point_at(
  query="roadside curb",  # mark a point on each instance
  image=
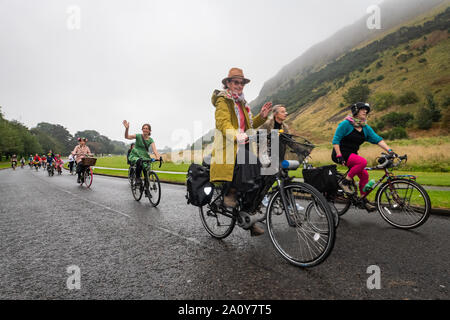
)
(162, 181)
(440, 212)
(434, 211)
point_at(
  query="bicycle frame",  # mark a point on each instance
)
(281, 179)
(387, 175)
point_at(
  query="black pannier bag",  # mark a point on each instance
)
(323, 179)
(199, 189)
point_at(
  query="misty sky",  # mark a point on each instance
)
(149, 61)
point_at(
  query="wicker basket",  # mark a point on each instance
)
(88, 161)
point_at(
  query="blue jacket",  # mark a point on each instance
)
(345, 128)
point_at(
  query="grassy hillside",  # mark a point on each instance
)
(395, 13)
(420, 65)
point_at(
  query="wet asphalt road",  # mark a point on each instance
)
(128, 250)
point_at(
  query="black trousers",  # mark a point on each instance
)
(80, 169)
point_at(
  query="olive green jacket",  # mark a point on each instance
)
(227, 126)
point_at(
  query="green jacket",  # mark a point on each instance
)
(227, 126)
(140, 150)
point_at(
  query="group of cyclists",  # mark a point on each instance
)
(46, 161)
(54, 162)
(237, 178)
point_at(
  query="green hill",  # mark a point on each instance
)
(405, 69)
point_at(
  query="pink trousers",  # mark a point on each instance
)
(357, 164)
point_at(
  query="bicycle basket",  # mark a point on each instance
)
(88, 161)
(295, 147)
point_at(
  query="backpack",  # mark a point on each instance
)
(323, 179)
(199, 189)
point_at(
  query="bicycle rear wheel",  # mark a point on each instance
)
(403, 203)
(314, 212)
(153, 189)
(304, 240)
(136, 190)
(88, 177)
(217, 223)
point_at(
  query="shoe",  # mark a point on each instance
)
(78, 180)
(138, 182)
(256, 231)
(346, 186)
(369, 206)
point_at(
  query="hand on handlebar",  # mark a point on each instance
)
(340, 160)
(393, 154)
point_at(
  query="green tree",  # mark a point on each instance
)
(383, 101)
(408, 97)
(358, 93)
(60, 134)
(423, 119)
(433, 108)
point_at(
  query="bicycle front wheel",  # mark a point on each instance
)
(88, 177)
(153, 189)
(403, 203)
(304, 239)
(218, 224)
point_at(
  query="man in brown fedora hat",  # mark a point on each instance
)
(233, 118)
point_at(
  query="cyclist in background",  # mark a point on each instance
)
(36, 159)
(44, 161)
(58, 163)
(50, 158)
(30, 160)
(71, 162)
(80, 152)
(349, 136)
(22, 162)
(14, 161)
(141, 149)
(128, 153)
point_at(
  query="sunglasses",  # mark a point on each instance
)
(236, 82)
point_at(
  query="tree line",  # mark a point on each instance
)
(15, 138)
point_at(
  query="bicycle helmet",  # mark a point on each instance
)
(358, 106)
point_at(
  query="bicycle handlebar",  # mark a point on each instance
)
(154, 160)
(388, 161)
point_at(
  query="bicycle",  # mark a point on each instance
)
(400, 200)
(14, 165)
(87, 175)
(303, 239)
(151, 184)
(51, 170)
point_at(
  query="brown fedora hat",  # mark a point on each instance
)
(235, 73)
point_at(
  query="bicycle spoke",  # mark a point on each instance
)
(404, 204)
(310, 246)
